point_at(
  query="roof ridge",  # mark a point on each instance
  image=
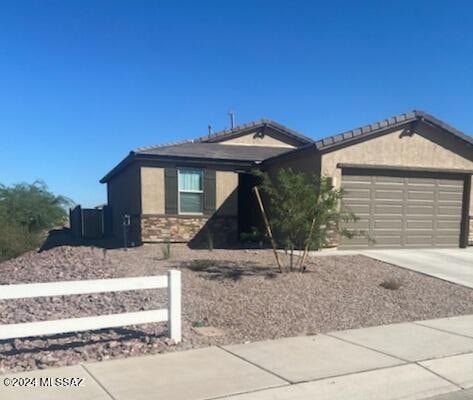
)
(226, 131)
(374, 126)
(231, 130)
(251, 124)
(390, 122)
(157, 146)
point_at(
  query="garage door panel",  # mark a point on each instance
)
(420, 210)
(387, 186)
(357, 242)
(389, 194)
(387, 224)
(420, 204)
(458, 183)
(453, 196)
(388, 179)
(419, 239)
(449, 240)
(419, 232)
(420, 224)
(380, 209)
(453, 224)
(357, 178)
(408, 210)
(449, 210)
(455, 204)
(357, 193)
(416, 181)
(360, 224)
(388, 240)
(358, 209)
(356, 185)
(450, 189)
(420, 195)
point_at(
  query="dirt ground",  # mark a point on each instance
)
(238, 292)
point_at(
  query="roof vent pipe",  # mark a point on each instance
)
(232, 119)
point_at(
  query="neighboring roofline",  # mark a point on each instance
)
(244, 128)
(133, 156)
(362, 133)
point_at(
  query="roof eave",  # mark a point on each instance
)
(121, 165)
(133, 156)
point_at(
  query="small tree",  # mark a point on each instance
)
(26, 212)
(301, 208)
(32, 206)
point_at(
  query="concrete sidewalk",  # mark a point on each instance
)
(417, 360)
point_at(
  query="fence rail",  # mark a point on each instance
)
(171, 315)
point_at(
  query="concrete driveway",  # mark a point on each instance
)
(453, 265)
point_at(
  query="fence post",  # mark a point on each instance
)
(174, 304)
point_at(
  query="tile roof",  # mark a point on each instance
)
(216, 151)
(378, 126)
(209, 148)
(228, 133)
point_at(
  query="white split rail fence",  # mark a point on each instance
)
(171, 315)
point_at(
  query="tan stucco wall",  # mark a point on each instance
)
(152, 190)
(307, 161)
(124, 197)
(153, 193)
(391, 149)
(250, 140)
(226, 193)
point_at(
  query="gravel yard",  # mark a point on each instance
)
(236, 291)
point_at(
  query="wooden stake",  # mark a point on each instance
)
(268, 227)
(306, 248)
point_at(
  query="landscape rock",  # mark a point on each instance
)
(236, 292)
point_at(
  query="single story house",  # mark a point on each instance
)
(408, 179)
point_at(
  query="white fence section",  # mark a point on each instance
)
(171, 315)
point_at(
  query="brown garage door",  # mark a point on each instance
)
(403, 209)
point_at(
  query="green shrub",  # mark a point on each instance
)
(15, 241)
(300, 207)
(253, 235)
(27, 212)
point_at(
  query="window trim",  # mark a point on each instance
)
(179, 191)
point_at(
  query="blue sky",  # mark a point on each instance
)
(82, 83)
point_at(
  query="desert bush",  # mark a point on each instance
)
(301, 206)
(254, 235)
(391, 284)
(201, 265)
(15, 241)
(166, 249)
(27, 212)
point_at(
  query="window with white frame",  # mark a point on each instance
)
(190, 188)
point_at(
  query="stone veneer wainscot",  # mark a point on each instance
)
(185, 228)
